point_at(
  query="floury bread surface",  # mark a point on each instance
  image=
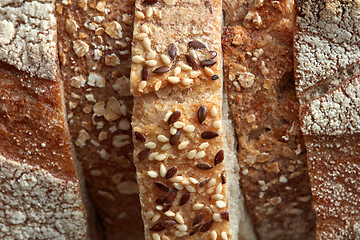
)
(326, 71)
(176, 79)
(258, 68)
(40, 190)
(94, 49)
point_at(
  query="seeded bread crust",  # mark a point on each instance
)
(178, 126)
(95, 53)
(40, 190)
(258, 65)
(329, 97)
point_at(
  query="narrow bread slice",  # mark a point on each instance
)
(327, 56)
(179, 153)
(258, 67)
(40, 195)
(94, 48)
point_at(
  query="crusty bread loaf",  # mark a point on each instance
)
(95, 44)
(258, 68)
(40, 191)
(327, 56)
(176, 79)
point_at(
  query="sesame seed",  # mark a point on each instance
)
(149, 12)
(140, 36)
(187, 81)
(183, 145)
(213, 111)
(224, 236)
(169, 214)
(151, 63)
(216, 217)
(283, 179)
(160, 157)
(211, 55)
(211, 182)
(157, 227)
(138, 59)
(184, 199)
(165, 59)
(220, 204)
(193, 53)
(147, 43)
(204, 145)
(159, 208)
(178, 186)
(156, 236)
(152, 174)
(189, 128)
(177, 70)
(210, 190)
(167, 116)
(143, 154)
(179, 218)
(184, 66)
(182, 227)
(213, 235)
(217, 197)
(162, 139)
(157, 86)
(139, 15)
(145, 29)
(179, 124)
(219, 188)
(153, 155)
(191, 154)
(207, 209)
(198, 219)
(180, 234)
(173, 131)
(166, 147)
(185, 182)
(193, 180)
(190, 189)
(171, 173)
(151, 55)
(173, 80)
(162, 170)
(217, 124)
(200, 154)
(213, 209)
(177, 178)
(198, 206)
(150, 145)
(142, 85)
(209, 72)
(172, 51)
(174, 117)
(156, 217)
(149, 215)
(195, 74)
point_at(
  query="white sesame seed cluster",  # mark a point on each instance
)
(177, 122)
(327, 46)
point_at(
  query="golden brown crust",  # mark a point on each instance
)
(95, 43)
(258, 78)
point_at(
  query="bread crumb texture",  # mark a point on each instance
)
(28, 36)
(36, 205)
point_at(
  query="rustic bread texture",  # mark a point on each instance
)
(177, 119)
(327, 52)
(258, 65)
(94, 49)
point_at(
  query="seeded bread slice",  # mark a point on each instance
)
(177, 122)
(326, 54)
(94, 46)
(258, 67)
(40, 196)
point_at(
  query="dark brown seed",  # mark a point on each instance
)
(140, 137)
(195, 230)
(191, 61)
(171, 196)
(171, 172)
(198, 219)
(145, 73)
(162, 69)
(143, 154)
(174, 139)
(206, 226)
(211, 55)
(204, 166)
(162, 187)
(185, 198)
(209, 135)
(223, 177)
(204, 182)
(196, 44)
(208, 6)
(169, 223)
(160, 200)
(174, 117)
(215, 77)
(158, 227)
(202, 111)
(225, 215)
(219, 157)
(166, 208)
(149, 2)
(207, 63)
(172, 51)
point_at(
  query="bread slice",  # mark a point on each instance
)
(40, 196)
(326, 68)
(95, 53)
(258, 68)
(180, 155)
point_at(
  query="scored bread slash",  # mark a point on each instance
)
(177, 120)
(164, 57)
(258, 67)
(327, 79)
